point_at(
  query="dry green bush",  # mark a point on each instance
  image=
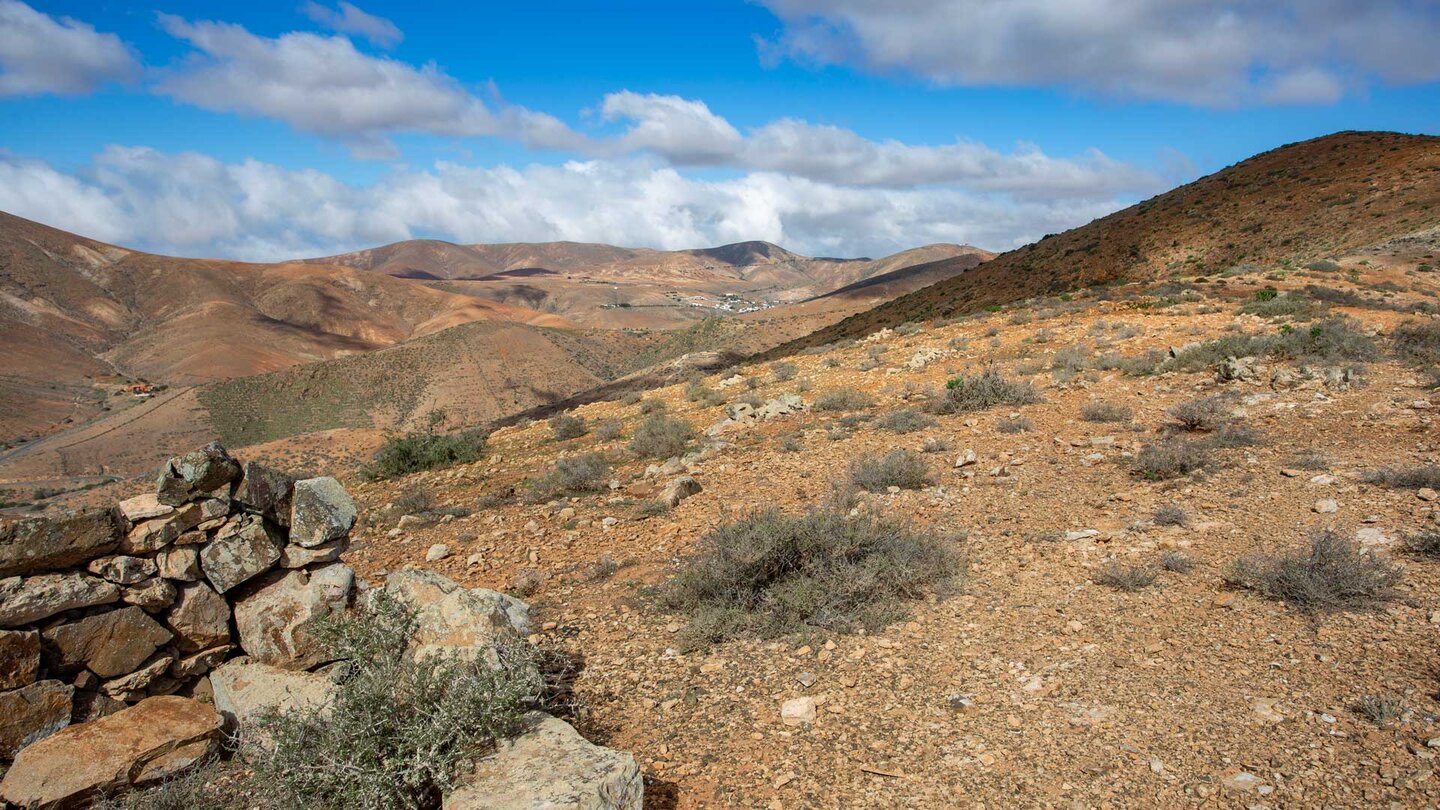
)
(426, 450)
(901, 468)
(1170, 458)
(608, 429)
(661, 436)
(567, 426)
(1330, 572)
(1417, 477)
(571, 475)
(783, 371)
(843, 399)
(1126, 577)
(907, 420)
(1100, 411)
(984, 390)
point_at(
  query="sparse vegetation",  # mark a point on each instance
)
(399, 729)
(935, 445)
(426, 450)
(1169, 515)
(1100, 411)
(1426, 543)
(1382, 710)
(608, 429)
(571, 475)
(662, 436)
(1294, 306)
(982, 391)
(1332, 341)
(1126, 576)
(843, 399)
(769, 574)
(1330, 572)
(1204, 414)
(1014, 424)
(901, 468)
(566, 426)
(783, 371)
(1417, 477)
(907, 420)
(1169, 458)
(1177, 562)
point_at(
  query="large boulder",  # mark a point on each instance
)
(34, 598)
(246, 549)
(108, 644)
(275, 621)
(19, 658)
(200, 618)
(244, 690)
(320, 511)
(150, 741)
(193, 475)
(33, 713)
(418, 588)
(551, 766)
(30, 545)
(469, 622)
(265, 491)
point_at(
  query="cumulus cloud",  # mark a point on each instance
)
(41, 54)
(192, 204)
(347, 19)
(325, 85)
(1220, 53)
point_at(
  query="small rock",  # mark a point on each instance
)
(437, 552)
(19, 658)
(798, 711)
(33, 713)
(1425, 494)
(806, 679)
(1326, 507)
(550, 766)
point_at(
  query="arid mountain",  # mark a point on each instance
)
(1291, 205)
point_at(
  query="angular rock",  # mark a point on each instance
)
(19, 658)
(93, 706)
(245, 689)
(33, 598)
(156, 738)
(121, 569)
(265, 491)
(144, 507)
(30, 545)
(679, 489)
(200, 663)
(274, 621)
(293, 556)
(180, 563)
(320, 511)
(152, 535)
(187, 477)
(471, 623)
(108, 644)
(131, 688)
(437, 552)
(550, 766)
(200, 618)
(248, 551)
(798, 711)
(32, 713)
(154, 595)
(419, 588)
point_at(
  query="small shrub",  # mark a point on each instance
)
(414, 501)
(1426, 543)
(1309, 460)
(1171, 458)
(426, 450)
(699, 392)
(843, 399)
(1123, 577)
(399, 730)
(572, 475)
(565, 427)
(792, 442)
(653, 406)
(1017, 424)
(631, 398)
(1105, 412)
(1019, 317)
(186, 791)
(608, 429)
(1417, 342)
(662, 437)
(1176, 562)
(783, 371)
(654, 509)
(1382, 710)
(1169, 515)
(1291, 305)
(1323, 266)
(1206, 413)
(934, 445)
(898, 468)
(1231, 436)
(984, 390)
(905, 421)
(768, 574)
(525, 583)
(1425, 475)
(1330, 572)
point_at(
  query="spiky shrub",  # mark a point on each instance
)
(1418, 342)
(1205, 413)
(609, 429)
(397, 731)
(783, 370)
(662, 436)
(844, 399)
(907, 420)
(1418, 477)
(426, 450)
(1123, 577)
(1330, 572)
(1168, 459)
(566, 426)
(1100, 411)
(901, 468)
(1425, 543)
(572, 475)
(770, 573)
(186, 791)
(1177, 562)
(984, 390)
(1018, 424)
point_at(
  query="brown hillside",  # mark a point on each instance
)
(1294, 204)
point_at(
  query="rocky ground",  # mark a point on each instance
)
(1031, 684)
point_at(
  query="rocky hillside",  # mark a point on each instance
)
(1289, 206)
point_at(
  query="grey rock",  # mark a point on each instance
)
(33, 713)
(249, 550)
(265, 491)
(275, 621)
(293, 556)
(679, 489)
(34, 598)
(153, 595)
(30, 545)
(320, 511)
(192, 475)
(121, 569)
(245, 690)
(180, 563)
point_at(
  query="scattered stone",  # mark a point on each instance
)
(1326, 507)
(19, 658)
(30, 545)
(1242, 781)
(187, 477)
(155, 739)
(1371, 536)
(679, 489)
(967, 458)
(247, 551)
(550, 766)
(293, 556)
(1425, 494)
(806, 679)
(437, 552)
(274, 622)
(122, 570)
(200, 618)
(34, 598)
(798, 711)
(470, 622)
(32, 713)
(321, 510)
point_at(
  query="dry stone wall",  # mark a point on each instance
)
(102, 608)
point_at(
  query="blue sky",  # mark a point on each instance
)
(267, 130)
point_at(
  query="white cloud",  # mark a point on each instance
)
(347, 19)
(191, 204)
(1218, 53)
(42, 54)
(324, 85)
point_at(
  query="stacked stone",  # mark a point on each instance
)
(102, 608)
